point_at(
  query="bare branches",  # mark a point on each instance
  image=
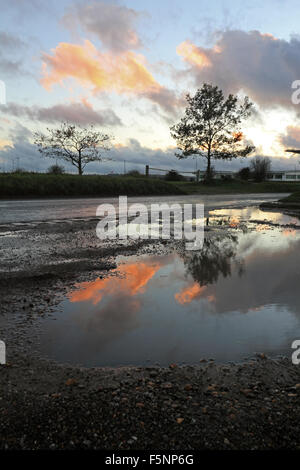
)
(76, 145)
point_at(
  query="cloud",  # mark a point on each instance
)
(134, 278)
(261, 65)
(5, 143)
(11, 45)
(193, 55)
(125, 73)
(292, 137)
(77, 113)
(10, 68)
(113, 24)
(133, 153)
(9, 41)
(190, 293)
(22, 149)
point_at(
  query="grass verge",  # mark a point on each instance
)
(40, 185)
(237, 187)
(35, 185)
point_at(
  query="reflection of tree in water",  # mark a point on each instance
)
(215, 258)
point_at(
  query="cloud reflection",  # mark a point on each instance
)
(133, 278)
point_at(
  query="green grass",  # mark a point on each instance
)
(31, 185)
(292, 201)
(236, 187)
(39, 185)
(295, 197)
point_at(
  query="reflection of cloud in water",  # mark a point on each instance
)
(182, 307)
(289, 232)
(136, 277)
(119, 304)
(254, 213)
(193, 292)
(269, 278)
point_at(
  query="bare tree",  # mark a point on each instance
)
(211, 126)
(76, 145)
(260, 167)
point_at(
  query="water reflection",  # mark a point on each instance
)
(238, 295)
(215, 259)
(254, 214)
(133, 279)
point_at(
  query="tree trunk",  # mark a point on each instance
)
(208, 168)
(79, 164)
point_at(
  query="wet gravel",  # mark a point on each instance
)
(44, 405)
(250, 406)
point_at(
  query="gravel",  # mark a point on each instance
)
(45, 405)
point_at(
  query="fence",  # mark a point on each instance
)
(195, 173)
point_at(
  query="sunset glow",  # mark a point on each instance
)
(126, 73)
(126, 68)
(132, 280)
(190, 293)
(192, 54)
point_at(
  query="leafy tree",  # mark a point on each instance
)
(76, 145)
(134, 173)
(260, 167)
(244, 173)
(56, 169)
(211, 126)
(173, 175)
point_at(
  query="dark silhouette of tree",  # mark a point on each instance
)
(260, 167)
(76, 145)
(56, 170)
(211, 126)
(173, 175)
(244, 173)
(213, 260)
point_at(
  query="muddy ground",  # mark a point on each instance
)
(44, 405)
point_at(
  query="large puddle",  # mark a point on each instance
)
(237, 296)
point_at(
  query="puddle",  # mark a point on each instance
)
(237, 296)
(254, 214)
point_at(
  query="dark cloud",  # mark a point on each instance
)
(10, 64)
(292, 137)
(167, 101)
(23, 152)
(247, 293)
(77, 113)
(10, 68)
(10, 42)
(262, 66)
(113, 24)
(136, 157)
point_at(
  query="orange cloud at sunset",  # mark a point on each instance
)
(5, 143)
(122, 73)
(293, 132)
(134, 277)
(193, 54)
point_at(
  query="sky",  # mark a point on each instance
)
(126, 67)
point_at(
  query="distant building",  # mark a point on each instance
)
(276, 175)
(284, 175)
(218, 174)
